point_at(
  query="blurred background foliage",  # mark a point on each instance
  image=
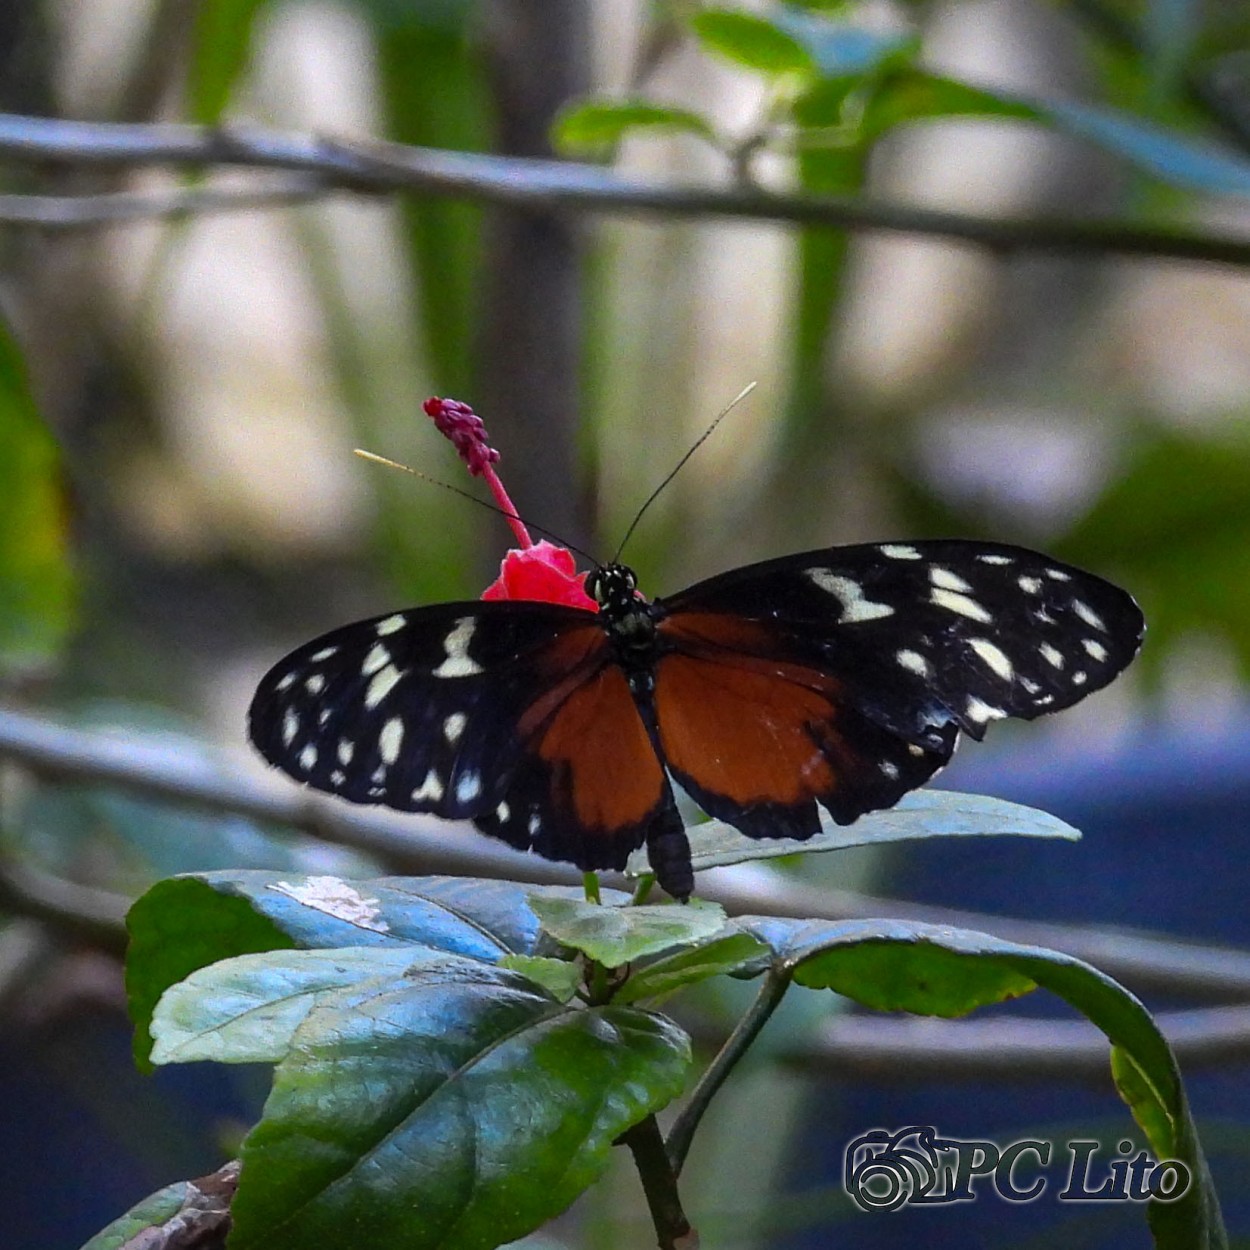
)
(178, 401)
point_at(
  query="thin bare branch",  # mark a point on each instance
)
(156, 766)
(916, 1048)
(69, 212)
(374, 166)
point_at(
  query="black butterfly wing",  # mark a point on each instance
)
(481, 710)
(843, 676)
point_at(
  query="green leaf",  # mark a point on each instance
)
(1172, 157)
(717, 956)
(561, 978)
(614, 936)
(435, 93)
(1173, 527)
(597, 126)
(841, 50)
(751, 41)
(386, 1125)
(931, 970)
(150, 1212)
(246, 1009)
(219, 55)
(920, 814)
(37, 588)
(189, 922)
(176, 927)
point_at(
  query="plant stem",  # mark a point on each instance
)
(776, 982)
(659, 1182)
(590, 884)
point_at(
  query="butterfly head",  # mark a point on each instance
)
(613, 587)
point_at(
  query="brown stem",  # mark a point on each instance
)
(659, 1183)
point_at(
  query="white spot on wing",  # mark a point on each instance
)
(391, 625)
(1052, 655)
(1079, 678)
(503, 813)
(381, 686)
(430, 788)
(338, 777)
(913, 662)
(1088, 615)
(899, 551)
(308, 757)
(346, 751)
(468, 787)
(851, 596)
(981, 712)
(456, 644)
(391, 739)
(992, 558)
(534, 824)
(315, 684)
(1030, 686)
(1030, 585)
(324, 654)
(453, 727)
(889, 769)
(994, 656)
(955, 602)
(1094, 649)
(286, 682)
(290, 726)
(941, 576)
(378, 657)
(1058, 575)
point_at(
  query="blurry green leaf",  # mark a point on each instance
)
(36, 581)
(434, 93)
(614, 936)
(445, 1108)
(561, 978)
(920, 814)
(219, 55)
(1170, 156)
(840, 49)
(751, 41)
(912, 95)
(717, 956)
(598, 125)
(246, 1009)
(1174, 529)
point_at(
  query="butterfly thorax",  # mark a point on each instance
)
(630, 621)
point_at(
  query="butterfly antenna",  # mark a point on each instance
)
(724, 412)
(464, 494)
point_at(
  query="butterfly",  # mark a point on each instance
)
(836, 679)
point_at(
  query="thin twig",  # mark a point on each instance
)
(776, 982)
(372, 166)
(918, 1049)
(70, 212)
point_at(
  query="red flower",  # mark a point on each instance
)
(544, 572)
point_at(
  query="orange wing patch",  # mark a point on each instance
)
(604, 769)
(746, 728)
